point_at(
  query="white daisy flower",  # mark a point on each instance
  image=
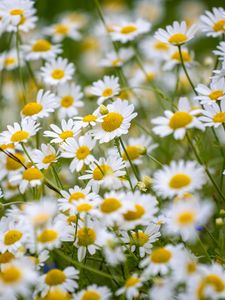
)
(177, 34)
(80, 150)
(162, 288)
(178, 178)
(9, 60)
(19, 14)
(154, 49)
(88, 120)
(106, 88)
(69, 98)
(63, 29)
(115, 123)
(113, 59)
(128, 31)
(209, 95)
(214, 115)
(19, 132)
(65, 280)
(160, 260)
(213, 23)
(105, 172)
(94, 292)
(183, 217)
(178, 122)
(40, 49)
(17, 279)
(173, 59)
(57, 71)
(31, 177)
(68, 130)
(131, 287)
(45, 157)
(44, 105)
(220, 50)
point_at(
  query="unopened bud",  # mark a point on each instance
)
(147, 181)
(219, 222)
(141, 186)
(103, 110)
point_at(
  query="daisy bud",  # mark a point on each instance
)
(141, 186)
(219, 222)
(103, 109)
(147, 181)
(208, 61)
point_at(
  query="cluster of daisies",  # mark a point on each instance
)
(112, 170)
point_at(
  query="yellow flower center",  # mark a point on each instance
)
(101, 171)
(12, 236)
(191, 267)
(110, 205)
(41, 46)
(219, 117)
(160, 255)
(7, 146)
(128, 29)
(76, 196)
(9, 61)
(186, 218)
(91, 295)
(32, 174)
(72, 219)
(150, 76)
(82, 152)
(12, 165)
(19, 136)
(40, 219)
(47, 235)
(219, 25)
(6, 257)
(10, 275)
(177, 39)
(58, 74)
(107, 92)
(48, 159)
(132, 281)
(133, 152)
(66, 134)
(180, 119)
(32, 108)
(86, 236)
(140, 238)
(112, 121)
(16, 12)
(61, 29)
(116, 61)
(67, 101)
(89, 118)
(216, 94)
(84, 207)
(137, 213)
(161, 46)
(56, 294)
(215, 281)
(179, 181)
(186, 56)
(55, 277)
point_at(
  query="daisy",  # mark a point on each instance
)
(214, 115)
(173, 59)
(131, 286)
(17, 278)
(19, 14)
(40, 49)
(154, 49)
(88, 120)
(56, 293)
(129, 31)
(80, 150)
(57, 71)
(42, 107)
(113, 59)
(160, 260)
(68, 130)
(209, 95)
(9, 60)
(30, 177)
(65, 280)
(184, 216)
(178, 122)
(75, 194)
(213, 23)
(105, 172)
(162, 288)
(115, 123)
(45, 157)
(69, 99)
(177, 34)
(63, 29)
(178, 178)
(106, 88)
(94, 292)
(19, 132)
